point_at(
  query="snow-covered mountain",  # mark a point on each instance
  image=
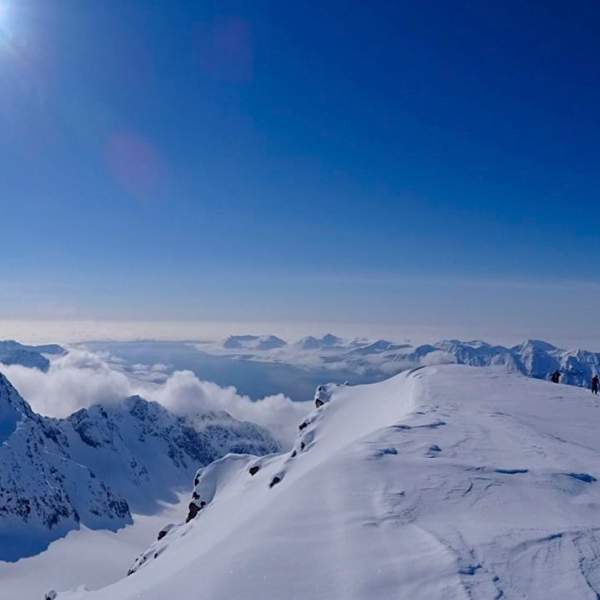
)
(14, 353)
(365, 361)
(253, 342)
(44, 490)
(533, 358)
(441, 483)
(100, 463)
(328, 341)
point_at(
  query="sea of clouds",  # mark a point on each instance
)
(82, 378)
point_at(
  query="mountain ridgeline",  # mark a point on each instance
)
(366, 361)
(533, 358)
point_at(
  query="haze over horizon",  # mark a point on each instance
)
(76, 332)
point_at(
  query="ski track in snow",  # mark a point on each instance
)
(441, 483)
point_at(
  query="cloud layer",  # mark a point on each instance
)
(82, 378)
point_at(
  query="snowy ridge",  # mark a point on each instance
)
(441, 483)
(98, 464)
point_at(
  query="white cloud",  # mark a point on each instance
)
(438, 357)
(82, 378)
(183, 393)
(73, 381)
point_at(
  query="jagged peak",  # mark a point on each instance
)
(532, 344)
(13, 408)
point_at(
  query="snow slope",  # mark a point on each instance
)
(441, 483)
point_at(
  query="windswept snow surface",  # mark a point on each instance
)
(445, 482)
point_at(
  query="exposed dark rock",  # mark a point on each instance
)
(585, 477)
(193, 510)
(164, 531)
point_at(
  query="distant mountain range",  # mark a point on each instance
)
(100, 464)
(368, 360)
(253, 342)
(533, 358)
(14, 353)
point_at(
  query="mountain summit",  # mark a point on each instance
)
(441, 483)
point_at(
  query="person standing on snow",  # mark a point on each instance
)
(555, 377)
(595, 382)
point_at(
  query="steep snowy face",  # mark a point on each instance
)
(44, 492)
(99, 463)
(13, 409)
(442, 483)
(146, 453)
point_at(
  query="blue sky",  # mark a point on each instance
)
(404, 163)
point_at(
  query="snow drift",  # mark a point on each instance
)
(444, 482)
